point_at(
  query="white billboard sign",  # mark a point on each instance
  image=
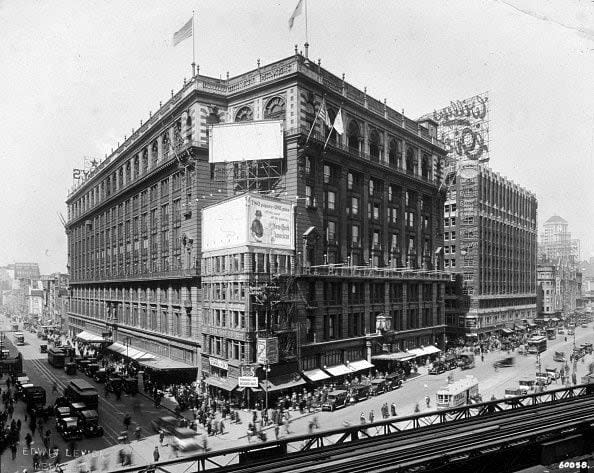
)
(245, 141)
(247, 381)
(249, 220)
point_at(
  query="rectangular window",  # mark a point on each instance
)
(307, 165)
(330, 200)
(355, 235)
(376, 211)
(350, 181)
(371, 187)
(327, 174)
(331, 231)
(355, 205)
(309, 196)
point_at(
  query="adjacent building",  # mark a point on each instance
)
(490, 238)
(360, 272)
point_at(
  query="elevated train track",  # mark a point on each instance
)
(495, 436)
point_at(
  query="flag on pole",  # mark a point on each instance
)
(184, 32)
(324, 115)
(338, 125)
(296, 13)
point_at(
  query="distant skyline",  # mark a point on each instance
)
(80, 75)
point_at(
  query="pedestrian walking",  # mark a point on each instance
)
(137, 433)
(371, 416)
(161, 437)
(393, 407)
(362, 418)
(127, 420)
(156, 454)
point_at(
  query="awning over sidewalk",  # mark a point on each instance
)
(316, 375)
(130, 352)
(338, 370)
(227, 384)
(282, 382)
(507, 331)
(360, 365)
(166, 364)
(397, 356)
(89, 337)
(428, 350)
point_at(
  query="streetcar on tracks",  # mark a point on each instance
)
(537, 344)
(19, 338)
(56, 357)
(460, 393)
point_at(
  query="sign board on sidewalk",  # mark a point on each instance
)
(247, 381)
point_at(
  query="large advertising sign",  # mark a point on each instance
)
(267, 351)
(464, 128)
(248, 220)
(246, 141)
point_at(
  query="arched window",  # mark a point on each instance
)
(244, 114)
(426, 167)
(374, 144)
(393, 153)
(275, 109)
(177, 134)
(410, 161)
(155, 150)
(353, 136)
(166, 144)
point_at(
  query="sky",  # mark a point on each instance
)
(77, 76)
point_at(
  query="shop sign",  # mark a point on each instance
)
(218, 363)
(248, 381)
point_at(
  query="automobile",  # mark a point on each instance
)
(553, 373)
(61, 401)
(335, 400)
(20, 381)
(185, 439)
(559, 356)
(587, 347)
(543, 378)
(114, 383)
(130, 385)
(560, 331)
(166, 423)
(100, 375)
(584, 325)
(78, 407)
(438, 368)
(91, 369)
(43, 348)
(89, 420)
(378, 386)
(515, 391)
(62, 413)
(571, 332)
(81, 364)
(504, 362)
(393, 381)
(527, 384)
(69, 428)
(70, 368)
(359, 392)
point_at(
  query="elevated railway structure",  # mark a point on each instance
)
(494, 436)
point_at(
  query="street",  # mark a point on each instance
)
(413, 391)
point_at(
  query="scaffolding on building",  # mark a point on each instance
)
(238, 177)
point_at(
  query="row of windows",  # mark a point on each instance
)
(160, 149)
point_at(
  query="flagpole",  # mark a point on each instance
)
(306, 31)
(313, 124)
(193, 45)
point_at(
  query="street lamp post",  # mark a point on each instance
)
(267, 369)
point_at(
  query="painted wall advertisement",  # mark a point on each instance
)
(248, 220)
(464, 128)
(267, 350)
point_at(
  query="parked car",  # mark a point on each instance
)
(43, 348)
(70, 368)
(100, 375)
(515, 391)
(359, 393)
(393, 381)
(335, 400)
(378, 386)
(438, 368)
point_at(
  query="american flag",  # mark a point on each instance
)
(324, 115)
(184, 33)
